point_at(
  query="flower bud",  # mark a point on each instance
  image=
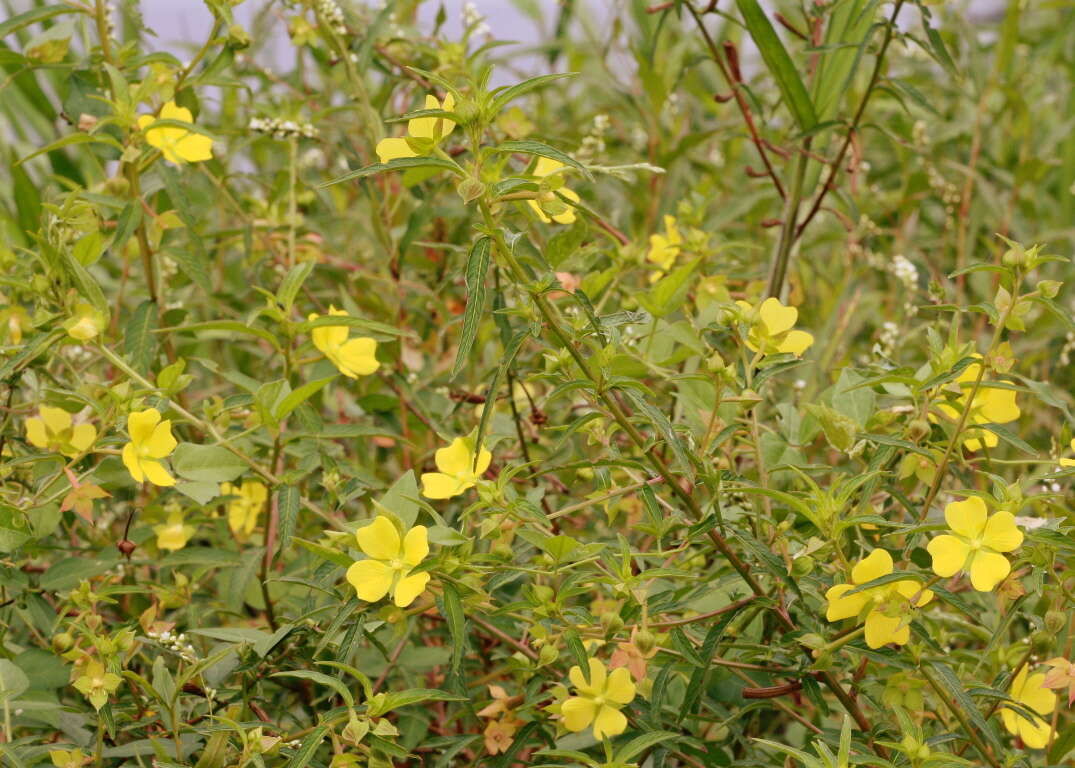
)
(715, 363)
(917, 430)
(1055, 621)
(1014, 256)
(547, 655)
(62, 642)
(1042, 641)
(645, 641)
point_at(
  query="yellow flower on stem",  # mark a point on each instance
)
(151, 441)
(54, 430)
(243, 510)
(176, 144)
(353, 357)
(663, 249)
(423, 133)
(888, 607)
(174, 533)
(1030, 691)
(1069, 462)
(772, 328)
(96, 684)
(458, 470)
(598, 701)
(991, 405)
(559, 211)
(975, 543)
(86, 323)
(390, 560)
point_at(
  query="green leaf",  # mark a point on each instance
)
(139, 342)
(779, 63)
(400, 499)
(399, 164)
(530, 147)
(477, 267)
(13, 681)
(288, 503)
(308, 748)
(15, 23)
(643, 743)
(292, 283)
(325, 553)
(207, 463)
(299, 396)
(191, 260)
(453, 612)
(321, 679)
(73, 139)
(504, 96)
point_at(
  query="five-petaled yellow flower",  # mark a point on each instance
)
(458, 470)
(174, 533)
(598, 701)
(887, 607)
(1030, 691)
(151, 441)
(975, 543)
(423, 133)
(390, 562)
(560, 212)
(53, 430)
(243, 510)
(663, 249)
(177, 145)
(96, 684)
(991, 405)
(772, 328)
(353, 357)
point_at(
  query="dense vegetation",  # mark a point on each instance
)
(692, 388)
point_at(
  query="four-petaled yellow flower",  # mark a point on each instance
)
(353, 357)
(174, 533)
(975, 543)
(458, 470)
(888, 606)
(53, 430)
(663, 249)
(772, 328)
(1030, 691)
(423, 133)
(991, 405)
(96, 684)
(177, 145)
(598, 701)
(560, 212)
(151, 441)
(390, 562)
(243, 510)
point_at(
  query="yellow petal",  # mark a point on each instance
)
(379, 539)
(776, 317)
(456, 458)
(370, 578)
(194, 147)
(546, 166)
(437, 485)
(987, 569)
(1036, 696)
(409, 588)
(357, 357)
(393, 149)
(416, 545)
(876, 565)
(949, 554)
(997, 406)
(84, 435)
(145, 120)
(913, 590)
(568, 216)
(620, 688)
(56, 420)
(882, 630)
(140, 424)
(596, 685)
(328, 338)
(795, 343)
(608, 722)
(578, 712)
(172, 111)
(841, 607)
(255, 491)
(161, 442)
(35, 432)
(1035, 735)
(540, 213)
(156, 473)
(967, 517)
(130, 460)
(1001, 534)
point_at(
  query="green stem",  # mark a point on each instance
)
(778, 270)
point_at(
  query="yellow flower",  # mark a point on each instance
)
(177, 145)
(1067, 462)
(975, 543)
(390, 562)
(888, 607)
(86, 323)
(991, 405)
(174, 533)
(354, 357)
(663, 249)
(772, 328)
(458, 472)
(96, 684)
(62, 758)
(243, 510)
(53, 430)
(423, 133)
(598, 701)
(1032, 694)
(547, 167)
(151, 440)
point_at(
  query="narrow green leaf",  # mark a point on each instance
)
(453, 612)
(399, 164)
(287, 505)
(308, 748)
(139, 342)
(779, 63)
(477, 267)
(530, 147)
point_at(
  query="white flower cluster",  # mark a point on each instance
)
(176, 643)
(593, 144)
(887, 339)
(904, 271)
(1068, 348)
(333, 16)
(474, 20)
(282, 129)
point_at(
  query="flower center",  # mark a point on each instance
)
(975, 544)
(599, 700)
(396, 564)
